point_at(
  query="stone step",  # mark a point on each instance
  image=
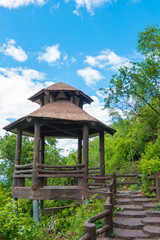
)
(114, 238)
(146, 238)
(151, 221)
(131, 214)
(130, 234)
(149, 205)
(128, 223)
(141, 201)
(137, 196)
(153, 213)
(129, 207)
(122, 195)
(152, 230)
(123, 201)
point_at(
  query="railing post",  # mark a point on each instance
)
(158, 185)
(108, 219)
(90, 228)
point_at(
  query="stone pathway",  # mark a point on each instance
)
(135, 217)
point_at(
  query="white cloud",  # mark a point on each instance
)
(65, 57)
(17, 85)
(3, 122)
(107, 58)
(51, 54)
(73, 60)
(95, 110)
(67, 145)
(16, 53)
(90, 75)
(19, 3)
(90, 5)
(54, 7)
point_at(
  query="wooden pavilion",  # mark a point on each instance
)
(60, 115)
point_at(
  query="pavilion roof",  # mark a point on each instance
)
(60, 113)
(60, 87)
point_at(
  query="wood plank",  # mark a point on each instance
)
(60, 175)
(23, 171)
(23, 166)
(60, 172)
(65, 193)
(23, 176)
(60, 166)
(126, 175)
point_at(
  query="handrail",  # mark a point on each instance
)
(23, 166)
(89, 227)
(60, 166)
(137, 175)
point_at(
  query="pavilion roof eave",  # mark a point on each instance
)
(24, 122)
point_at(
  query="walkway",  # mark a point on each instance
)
(135, 217)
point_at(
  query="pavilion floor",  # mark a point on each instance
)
(49, 193)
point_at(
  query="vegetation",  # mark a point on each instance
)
(134, 147)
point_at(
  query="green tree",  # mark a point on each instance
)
(137, 85)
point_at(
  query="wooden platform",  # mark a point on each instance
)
(50, 193)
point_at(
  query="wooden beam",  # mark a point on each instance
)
(60, 129)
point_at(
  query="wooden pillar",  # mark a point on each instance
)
(18, 181)
(79, 150)
(101, 149)
(85, 153)
(36, 157)
(42, 144)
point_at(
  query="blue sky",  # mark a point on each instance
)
(80, 42)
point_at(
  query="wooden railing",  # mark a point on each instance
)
(55, 171)
(90, 232)
(23, 171)
(94, 170)
(44, 171)
(90, 228)
(156, 185)
(123, 182)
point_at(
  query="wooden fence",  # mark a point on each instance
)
(90, 232)
(44, 171)
(155, 186)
